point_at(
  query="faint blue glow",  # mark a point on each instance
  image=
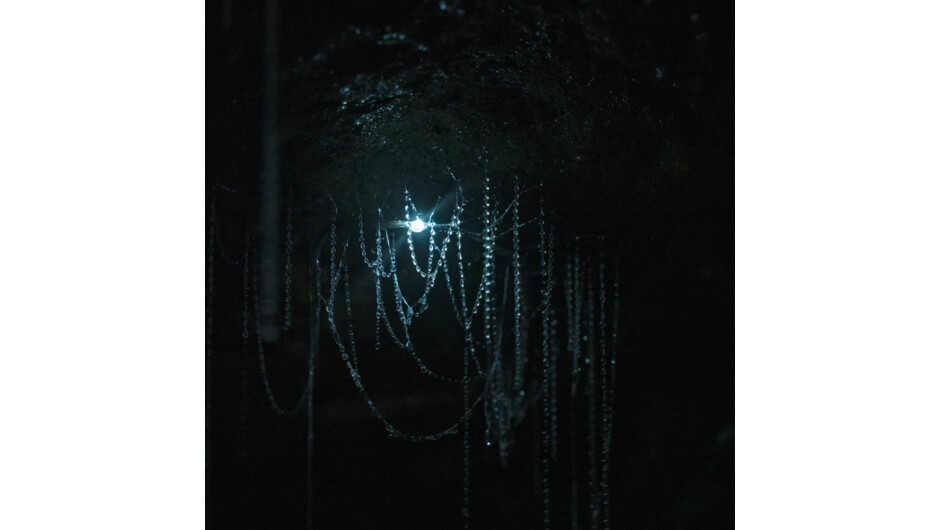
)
(417, 225)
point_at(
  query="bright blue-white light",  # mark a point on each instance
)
(417, 225)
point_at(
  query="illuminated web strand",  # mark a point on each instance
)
(467, 351)
(379, 305)
(410, 311)
(383, 314)
(411, 246)
(454, 227)
(465, 324)
(407, 314)
(574, 342)
(609, 398)
(314, 343)
(553, 362)
(454, 224)
(501, 314)
(377, 265)
(467, 320)
(431, 245)
(496, 412)
(519, 367)
(590, 389)
(334, 282)
(481, 289)
(489, 266)
(506, 414)
(349, 319)
(280, 411)
(401, 305)
(409, 347)
(421, 304)
(379, 256)
(458, 314)
(288, 257)
(546, 369)
(348, 355)
(569, 303)
(605, 402)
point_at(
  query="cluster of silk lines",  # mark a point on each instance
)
(495, 321)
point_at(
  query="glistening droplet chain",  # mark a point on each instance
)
(411, 245)
(519, 365)
(553, 336)
(605, 404)
(288, 265)
(348, 355)
(280, 411)
(546, 380)
(314, 344)
(590, 389)
(574, 318)
(609, 398)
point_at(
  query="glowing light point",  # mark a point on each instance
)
(417, 225)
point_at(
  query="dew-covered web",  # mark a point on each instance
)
(529, 319)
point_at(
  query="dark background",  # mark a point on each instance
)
(621, 111)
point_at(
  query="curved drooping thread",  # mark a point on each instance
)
(405, 344)
(406, 315)
(377, 266)
(421, 304)
(381, 317)
(406, 312)
(450, 292)
(348, 355)
(301, 401)
(408, 346)
(349, 322)
(467, 316)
